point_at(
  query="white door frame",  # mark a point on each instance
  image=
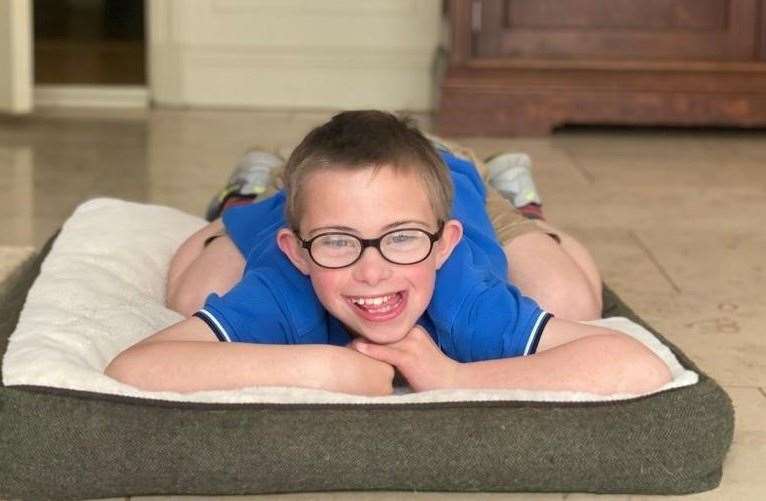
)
(16, 67)
(103, 96)
(18, 92)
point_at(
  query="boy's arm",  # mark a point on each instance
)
(187, 357)
(562, 277)
(574, 357)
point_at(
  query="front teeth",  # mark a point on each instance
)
(372, 301)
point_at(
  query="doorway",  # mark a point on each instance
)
(89, 42)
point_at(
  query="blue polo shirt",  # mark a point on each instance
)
(474, 314)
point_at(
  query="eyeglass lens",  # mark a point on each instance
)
(400, 246)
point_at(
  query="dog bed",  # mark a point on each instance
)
(67, 431)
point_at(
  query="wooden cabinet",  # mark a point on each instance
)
(526, 66)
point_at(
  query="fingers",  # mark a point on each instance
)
(416, 357)
(403, 354)
(380, 352)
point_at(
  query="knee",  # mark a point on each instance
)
(572, 300)
(590, 277)
(587, 303)
(184, 300)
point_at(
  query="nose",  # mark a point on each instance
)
(371, 267)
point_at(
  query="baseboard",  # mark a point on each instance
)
(505, 100)
(92, 96)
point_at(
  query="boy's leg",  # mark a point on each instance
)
(554, 278)
(557, 272)
(253, 176)
(511, 175)
(546, 264)
(208, 261)
(561, 276)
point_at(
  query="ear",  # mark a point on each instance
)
(451, 235)
(289, 244)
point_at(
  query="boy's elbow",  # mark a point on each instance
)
(644, 371)
(126, 368)
(654, 374)
(119, 367)
(575, 302)
(184, 300)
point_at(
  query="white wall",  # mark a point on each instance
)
(294, 53)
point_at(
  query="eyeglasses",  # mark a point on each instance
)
(401, 246)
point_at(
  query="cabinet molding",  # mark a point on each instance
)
(496, 88)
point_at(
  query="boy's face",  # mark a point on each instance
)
(374, 298)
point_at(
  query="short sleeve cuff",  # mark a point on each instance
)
(215, 325)
(537, 332)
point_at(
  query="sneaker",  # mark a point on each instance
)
(250, 178)
(511, 175)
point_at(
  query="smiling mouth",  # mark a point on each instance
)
(379, 308)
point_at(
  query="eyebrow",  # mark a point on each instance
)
(348, 229)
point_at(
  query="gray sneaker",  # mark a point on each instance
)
(511, 175)
(250, 178)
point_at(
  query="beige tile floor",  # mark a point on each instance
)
(671, 216)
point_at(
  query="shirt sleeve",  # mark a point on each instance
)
(479, 316)
(491, 335)
(247, 313)
(268, 308)
(255, 225)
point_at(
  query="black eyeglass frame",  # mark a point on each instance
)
(371, 242)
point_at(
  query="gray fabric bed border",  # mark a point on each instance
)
(63, 444)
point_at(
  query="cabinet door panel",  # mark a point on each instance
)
(711, 30)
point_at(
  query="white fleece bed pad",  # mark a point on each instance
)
(102, 288)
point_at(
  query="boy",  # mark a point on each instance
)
(546, 264)
(317, 308)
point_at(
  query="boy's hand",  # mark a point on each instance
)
(417, 357)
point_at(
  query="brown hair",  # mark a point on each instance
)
(362, 139)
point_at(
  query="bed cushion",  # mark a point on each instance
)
(69, 431)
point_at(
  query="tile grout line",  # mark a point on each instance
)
(654, 260)
(585, 173)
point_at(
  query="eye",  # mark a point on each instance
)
(336, 242)
(404, 238)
